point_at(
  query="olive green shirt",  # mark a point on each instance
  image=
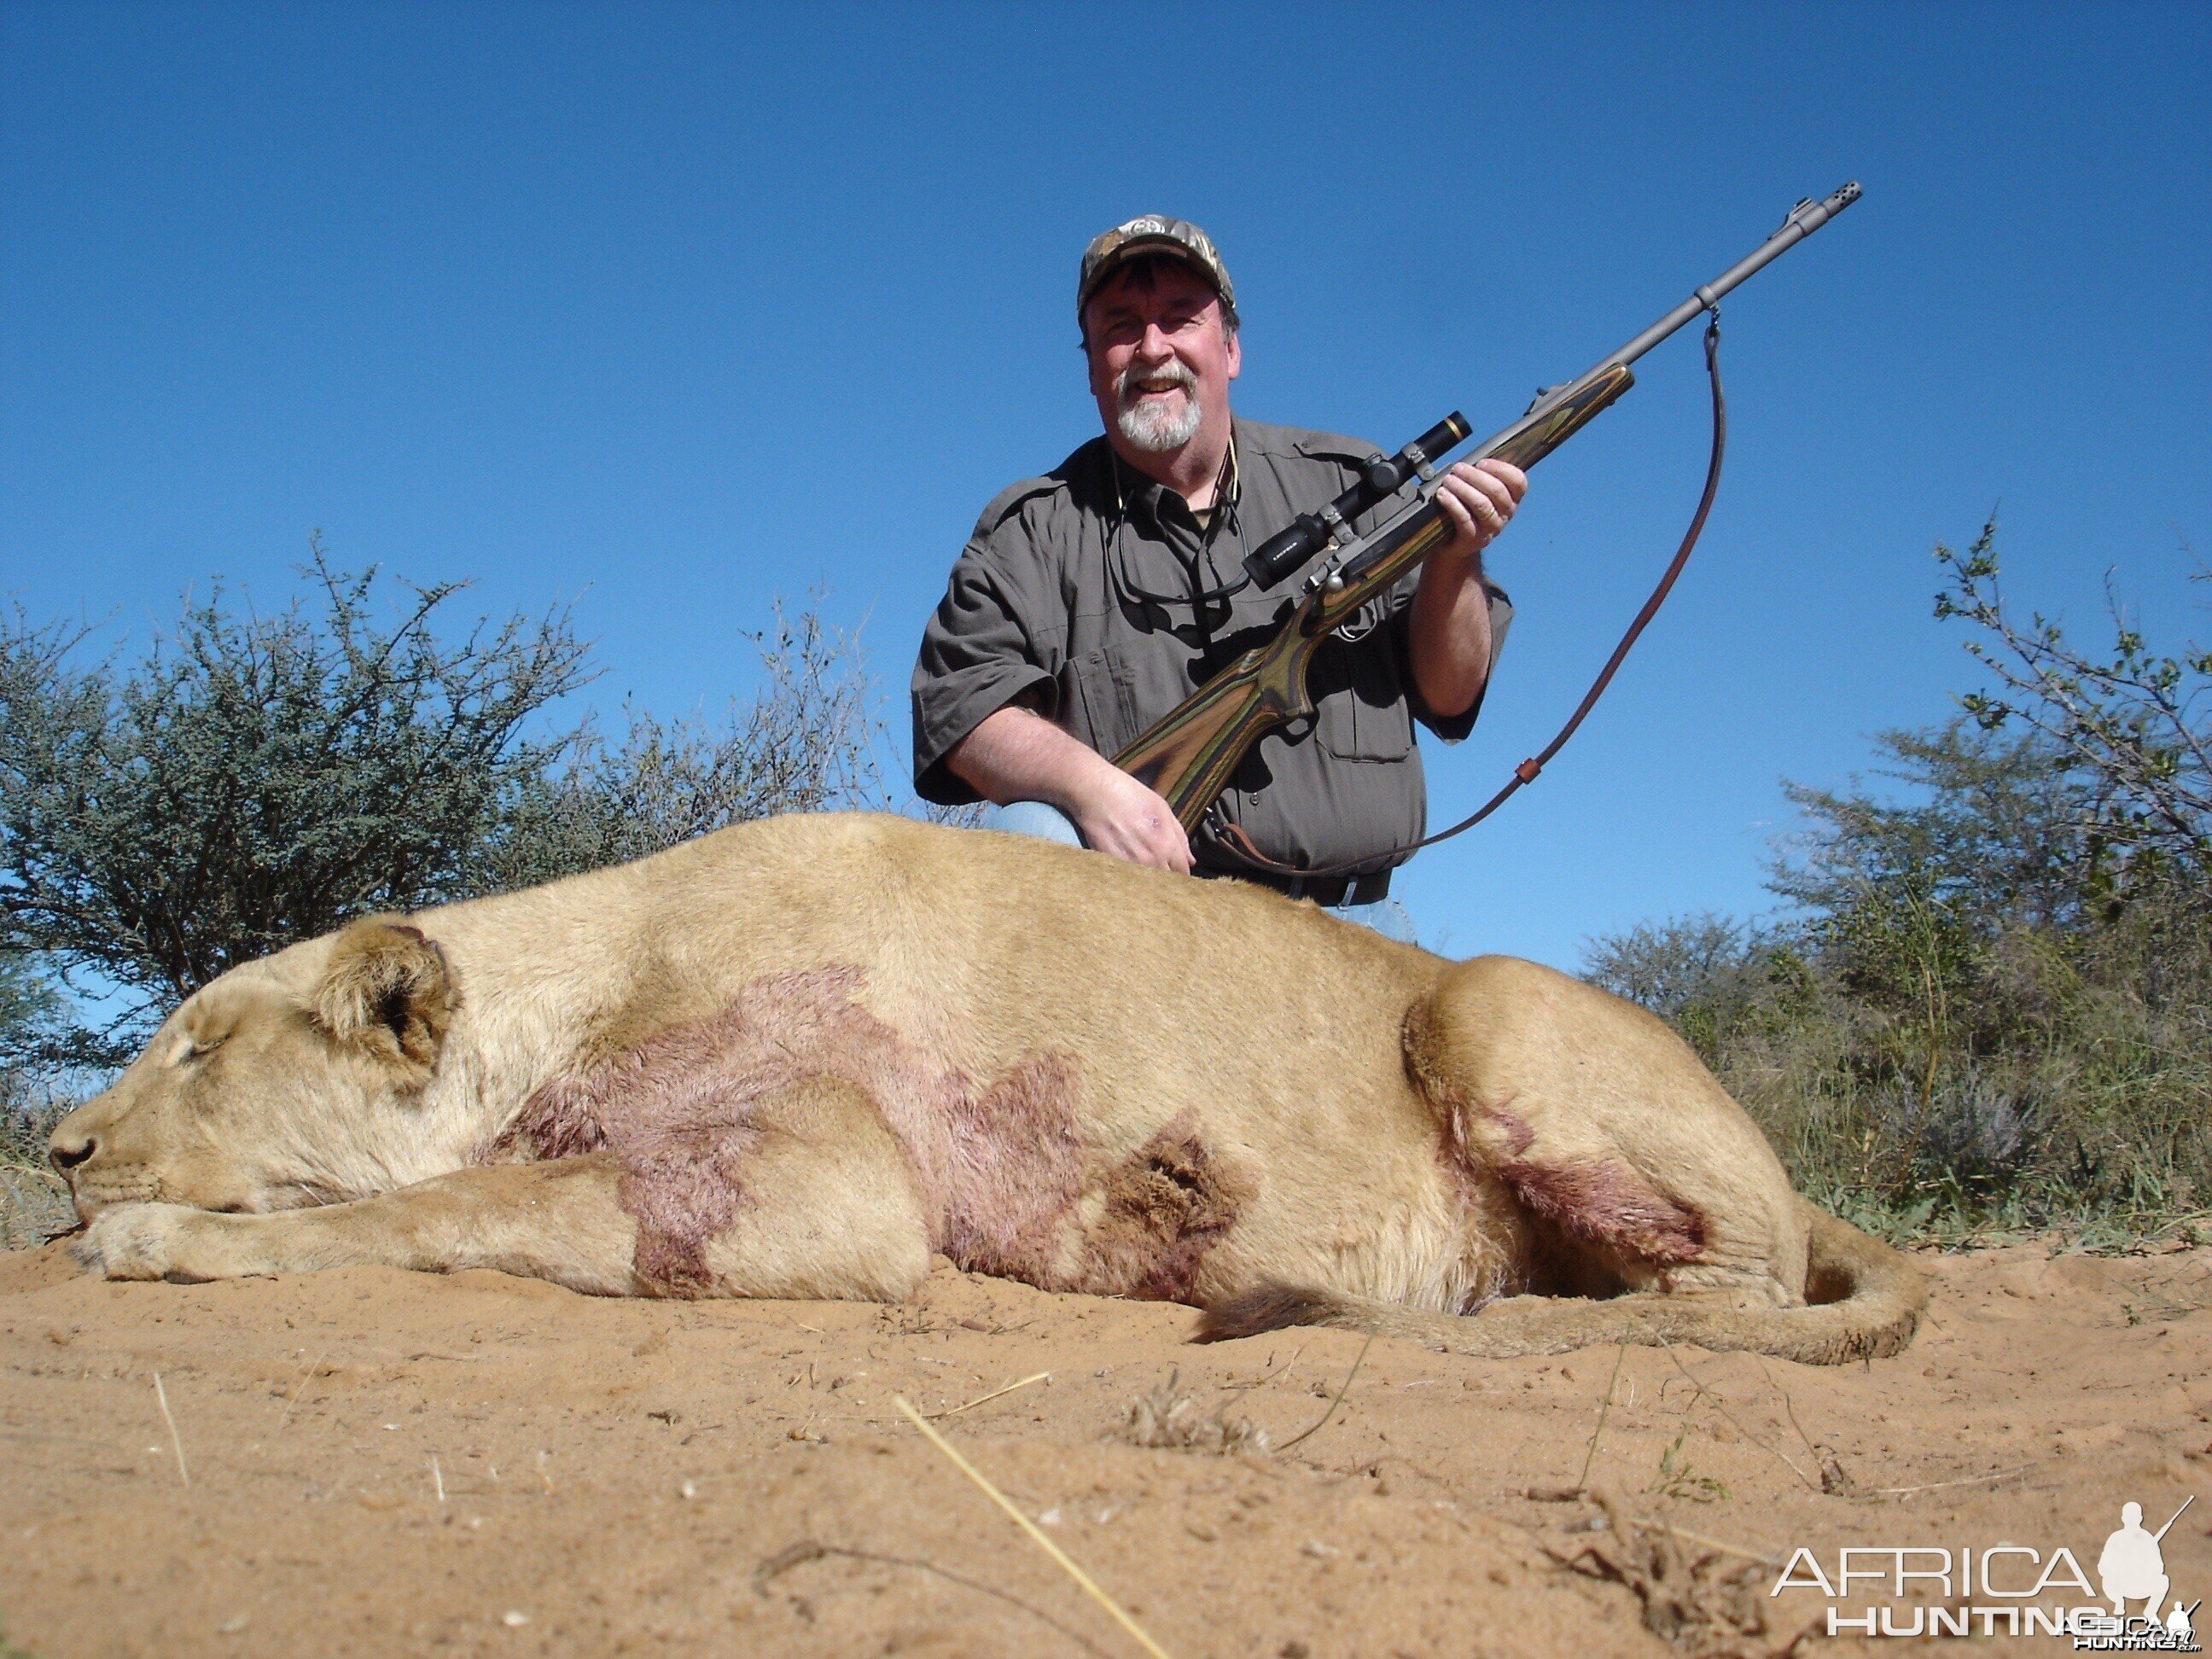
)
(1080, 596)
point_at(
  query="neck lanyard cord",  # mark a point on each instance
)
(1225, 502)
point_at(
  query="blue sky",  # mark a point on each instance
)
(669, 309)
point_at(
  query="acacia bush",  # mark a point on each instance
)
(1989, 1004)
(803, 743)
(257, 779)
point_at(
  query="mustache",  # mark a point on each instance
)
(1163, 376)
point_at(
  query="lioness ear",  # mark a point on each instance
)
(386, 991)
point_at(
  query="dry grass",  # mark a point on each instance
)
(1704, 1596)
(1168, 1419)
(33, 1201)
(1999, 1081)
(33, 1206)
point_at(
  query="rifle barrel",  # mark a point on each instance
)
(2158, 1536)
(1804, 218)
(1310, 532)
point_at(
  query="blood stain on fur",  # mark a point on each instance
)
(1601, 1201)
(997, 1166)
(1165, 1206)
(1015, 1163)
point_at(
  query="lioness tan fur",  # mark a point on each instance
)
(796, 1057)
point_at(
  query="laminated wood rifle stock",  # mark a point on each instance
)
(1189, 756)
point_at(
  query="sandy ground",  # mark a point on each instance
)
(379, 1463)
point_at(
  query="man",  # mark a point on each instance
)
(1089, 602)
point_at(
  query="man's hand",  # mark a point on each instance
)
(1450, 635)
(1478, 497)
(1119, 815)
(1014, 755)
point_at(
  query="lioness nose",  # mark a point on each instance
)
(67, 1151)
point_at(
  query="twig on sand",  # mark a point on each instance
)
(1561, 1495)
(1581, 1481)
(437, 1477)
(1940, 1486)
(1775, 1452)
(52, 1440)
(1037, 1537)
(1835, 1482)
(808, 1549)
(300, 1387)
(985, 1399)
(1788, 1410)
(176, 1440)
(1283, 1369)
(1768, 1557)
(1335, 1403)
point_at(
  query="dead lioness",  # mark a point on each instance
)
(795, 1058)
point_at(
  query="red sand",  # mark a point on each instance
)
(567, 1432)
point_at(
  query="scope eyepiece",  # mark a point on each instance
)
(1285, 551)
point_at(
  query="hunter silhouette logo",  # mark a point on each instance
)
(2133, 1569)
(2010, 1588)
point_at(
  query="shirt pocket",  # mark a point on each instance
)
(1099, 703)
(1126, 685)
(1360, 709)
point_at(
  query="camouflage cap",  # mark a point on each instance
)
(1152, 234)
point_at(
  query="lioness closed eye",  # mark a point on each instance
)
(796, 1057)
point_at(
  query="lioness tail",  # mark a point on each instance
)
(1864, 1301)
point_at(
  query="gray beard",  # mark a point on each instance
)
(1151, 428)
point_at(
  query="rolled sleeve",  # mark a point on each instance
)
(977, 657)
(1454, 727)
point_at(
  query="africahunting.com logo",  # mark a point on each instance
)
(2008, 1589)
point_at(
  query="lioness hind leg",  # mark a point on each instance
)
(1639, 1171)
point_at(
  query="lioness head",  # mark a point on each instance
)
(287, 1082)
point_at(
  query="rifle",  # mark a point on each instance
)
(1189, 755)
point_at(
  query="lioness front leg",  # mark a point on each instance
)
(823, 1208)
(558, 1220)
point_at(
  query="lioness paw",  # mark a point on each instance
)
(138, 1240)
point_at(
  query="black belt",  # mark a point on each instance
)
(1330, 892)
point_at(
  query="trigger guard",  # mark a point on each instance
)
(1361, 622)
